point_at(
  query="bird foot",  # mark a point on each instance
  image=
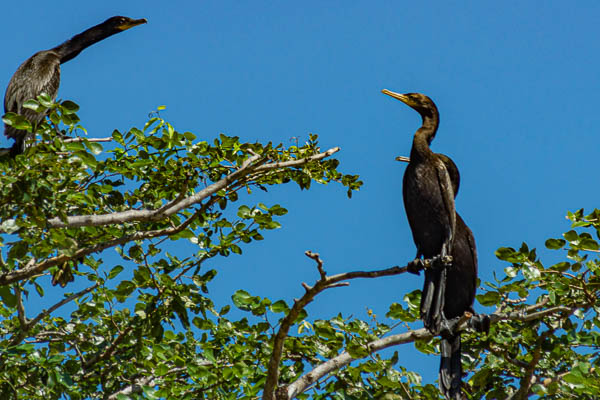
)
(448, 327)
(440, 262)
(480, 323)
(415, 266)
(437, 262)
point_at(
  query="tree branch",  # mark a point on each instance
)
(136, 387)
(27, 325)
(32, 269)
(109, 351)
(253, 164)
(343, 359)
(91, 140)
(324, 282)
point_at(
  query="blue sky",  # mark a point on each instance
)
(516, 84)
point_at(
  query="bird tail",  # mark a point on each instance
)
(432, 299)
(451, 367)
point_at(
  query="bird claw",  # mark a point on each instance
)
(480, 323)
(437, 262)
(415, 266)
(440, 262)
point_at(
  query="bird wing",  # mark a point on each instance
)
(448, 199)
(39, 73)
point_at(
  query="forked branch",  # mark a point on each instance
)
(324, 282)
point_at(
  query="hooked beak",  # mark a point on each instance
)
(132, 23)
(403, 98)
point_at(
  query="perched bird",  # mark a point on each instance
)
(40, 73)
(430, 184)
(429, 202)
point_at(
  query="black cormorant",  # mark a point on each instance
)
(430, 183)
(40, 73)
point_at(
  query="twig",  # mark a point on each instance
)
(21, 309)
(27, 325)
(91, 140)
(109, 351)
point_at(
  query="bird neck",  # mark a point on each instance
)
(423, 137)
(72, 47)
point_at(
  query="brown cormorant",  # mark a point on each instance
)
(40, 73)
(430, 183)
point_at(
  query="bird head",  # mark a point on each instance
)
(418, 101)
(120, 23)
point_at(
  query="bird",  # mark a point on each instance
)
(40, 73)
(430, 184)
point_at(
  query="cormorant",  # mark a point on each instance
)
(40, 73)
(430, 183)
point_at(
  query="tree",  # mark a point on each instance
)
(67, 201)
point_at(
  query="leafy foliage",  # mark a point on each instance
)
(145, 327)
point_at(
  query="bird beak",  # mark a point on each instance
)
(132, 23)
(402, 159)
(398, 96)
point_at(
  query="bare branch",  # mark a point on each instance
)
(345, 358)
(152, 215)
(325, 282)
(297, 163)
(61, 303)
(21, 309)
(315, 256)
(253, 164)
(91, 140)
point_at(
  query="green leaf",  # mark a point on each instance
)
(8, 298)
(571, 236)
(555, 244)
(87, 158)
(244, 212)
(69, 107)
(95, 148)
(45, 100)
(396, 311)
(589, 244)
(34, 105)
(115, 271)
(242, 300)
(279, 306)
(17, 121)
(489, 298)
(504, 253)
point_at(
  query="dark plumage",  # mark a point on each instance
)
(430, 183)
(40, 73)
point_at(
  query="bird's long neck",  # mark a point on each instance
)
(72, 47)
(424, 135)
